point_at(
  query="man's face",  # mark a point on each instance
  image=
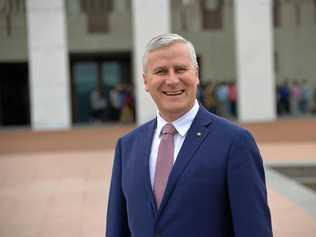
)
(171, 79)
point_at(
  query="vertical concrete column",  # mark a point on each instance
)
(150, 18)
(48, 64)
(254, 60)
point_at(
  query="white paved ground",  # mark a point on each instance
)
(65, 194)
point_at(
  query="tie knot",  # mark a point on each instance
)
(168, 129)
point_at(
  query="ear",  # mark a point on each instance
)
(145, 81)
(197, 75)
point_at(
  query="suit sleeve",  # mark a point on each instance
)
(116, 223)
(247, 189)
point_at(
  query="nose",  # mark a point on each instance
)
(172, 78)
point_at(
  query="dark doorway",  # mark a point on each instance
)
(102, 88)
(14, 95)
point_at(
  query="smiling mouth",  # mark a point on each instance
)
(173, 93)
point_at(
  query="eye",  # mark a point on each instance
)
(160, 72)
(181, 69)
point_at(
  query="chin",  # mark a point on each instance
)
(176, 110)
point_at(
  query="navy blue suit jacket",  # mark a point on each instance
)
(216, 187)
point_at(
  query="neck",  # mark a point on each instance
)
(171, 117)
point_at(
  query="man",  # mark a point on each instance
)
(214, 184)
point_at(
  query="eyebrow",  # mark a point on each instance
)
(182, 65)
(159, 68)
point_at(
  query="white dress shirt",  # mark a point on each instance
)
(182, 126)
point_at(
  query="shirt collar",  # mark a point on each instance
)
(183, 123)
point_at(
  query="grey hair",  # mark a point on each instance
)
(166, 40)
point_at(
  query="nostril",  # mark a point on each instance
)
(172, 80)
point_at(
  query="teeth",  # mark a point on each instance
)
(174, 93)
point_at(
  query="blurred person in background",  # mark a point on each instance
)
(127, 111)
(232, 98)
(295, 98)
(306, 98)
(284, 98)
(187, 172)
(98, 105)
(116, 101)
(209, 100)
(222, 99)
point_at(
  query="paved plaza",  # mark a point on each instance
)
(56, 183)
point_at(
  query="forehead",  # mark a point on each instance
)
(176, 52)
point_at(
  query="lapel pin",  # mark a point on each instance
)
(198, 134)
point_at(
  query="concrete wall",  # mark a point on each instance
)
(13, 41)
(119, 37)
(295, 43)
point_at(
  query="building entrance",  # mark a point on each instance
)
(14, 95)
(102, 89)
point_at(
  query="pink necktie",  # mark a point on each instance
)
(164, 161)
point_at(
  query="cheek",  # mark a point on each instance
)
(155, 84)
(191, 83)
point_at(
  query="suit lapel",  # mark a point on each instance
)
(194, 138)
(144, 147)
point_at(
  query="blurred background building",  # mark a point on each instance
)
(78, 62)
